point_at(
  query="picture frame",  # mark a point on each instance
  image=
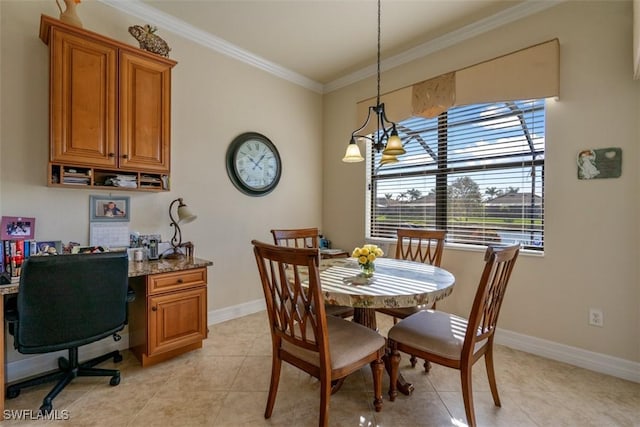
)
(17, 228)
(50, 247)
(109, 208)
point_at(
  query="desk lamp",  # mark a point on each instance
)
(184, 216)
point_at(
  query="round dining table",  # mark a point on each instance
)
(395, 283)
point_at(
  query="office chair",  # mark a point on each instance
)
(64, 302)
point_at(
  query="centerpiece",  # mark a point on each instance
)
(366, 257)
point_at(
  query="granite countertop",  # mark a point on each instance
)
(143, 268)
(140, 268)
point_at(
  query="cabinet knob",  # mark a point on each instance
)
(112, 154)
(180, 281)
(154, 308)
(124, 156)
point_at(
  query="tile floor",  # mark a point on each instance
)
(226, 383)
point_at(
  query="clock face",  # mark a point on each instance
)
(253, 164)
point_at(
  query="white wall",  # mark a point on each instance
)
(592, 252)
(591, 227)
(214, 99)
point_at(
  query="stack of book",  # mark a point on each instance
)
(76, 177)
(12, 254)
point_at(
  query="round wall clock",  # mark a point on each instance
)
(253, 164)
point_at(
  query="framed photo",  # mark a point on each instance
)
(51, 247)
(17, 227)
(108, 208)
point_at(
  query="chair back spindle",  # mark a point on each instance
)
(419, 245)
(499, 263)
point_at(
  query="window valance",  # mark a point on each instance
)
(533, 72)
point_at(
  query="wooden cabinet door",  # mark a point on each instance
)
(83, 100)
(145, 113)
(177, 319)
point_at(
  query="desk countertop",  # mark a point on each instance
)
(143, 268)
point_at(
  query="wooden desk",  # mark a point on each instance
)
(165, 285)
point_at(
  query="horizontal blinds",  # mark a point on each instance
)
(476, 171)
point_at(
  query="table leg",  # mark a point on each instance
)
(367, 317)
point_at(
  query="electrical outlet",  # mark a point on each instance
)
(596, 318)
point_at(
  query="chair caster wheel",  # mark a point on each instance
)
(115, 380)
(12, 394)
(45, 409)
(117, 358)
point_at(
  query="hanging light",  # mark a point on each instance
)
(386, 138)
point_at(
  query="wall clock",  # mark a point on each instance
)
(253, 164)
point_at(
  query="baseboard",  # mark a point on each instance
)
(37, 364)
(597, 362)
(236, 311)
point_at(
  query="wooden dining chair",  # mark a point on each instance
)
(419, 245)
(308, 238)
(327, 347)
(456, 342)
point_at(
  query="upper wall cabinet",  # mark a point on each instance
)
(110, 109)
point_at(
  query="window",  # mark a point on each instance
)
(476, 171)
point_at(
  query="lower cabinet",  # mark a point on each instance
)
(169, 314)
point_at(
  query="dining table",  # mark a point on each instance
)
(395, 283)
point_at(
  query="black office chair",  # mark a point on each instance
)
(64, 302)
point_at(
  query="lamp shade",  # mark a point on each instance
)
(185, 215)
(394, 146)
(388, 159)
(352, 154)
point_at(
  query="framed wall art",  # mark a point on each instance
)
(17, 227)
(109, 208)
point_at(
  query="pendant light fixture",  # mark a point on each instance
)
(386, 137)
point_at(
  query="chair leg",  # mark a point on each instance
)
(427, 366)
(47, 402)
(117, 357)
(276, 365)
(68, 370)
(325, 396)
(394, 363)
(413, 360)
(488, 360)
(377, 368)
(467, 395)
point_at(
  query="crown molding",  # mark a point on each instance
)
(171, 23)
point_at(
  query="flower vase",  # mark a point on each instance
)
(368, 269)
(69, 15)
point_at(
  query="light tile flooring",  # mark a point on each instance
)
(226, 383)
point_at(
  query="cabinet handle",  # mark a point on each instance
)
(154, 308)
(112, 154)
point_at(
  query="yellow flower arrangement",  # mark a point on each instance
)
(366, 257)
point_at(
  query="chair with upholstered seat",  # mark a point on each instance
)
(64, 302)
(327, 347)
(308, 238)
(418, 245)
(456, 342)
